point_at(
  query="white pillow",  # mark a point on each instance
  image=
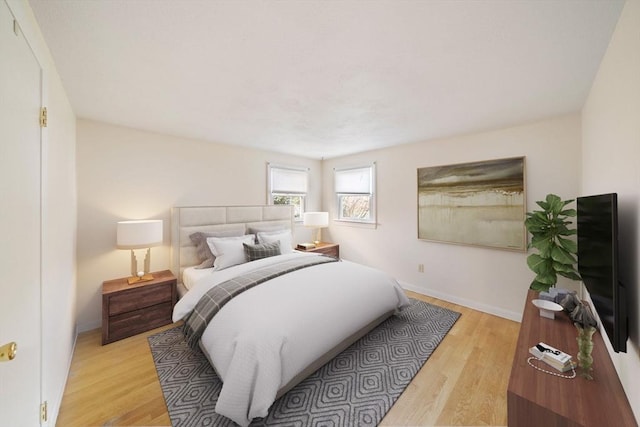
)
(229, 251)
(272, 236)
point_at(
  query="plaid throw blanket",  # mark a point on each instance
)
(218, 296)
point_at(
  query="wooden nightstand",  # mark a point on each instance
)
(331, 249)
(130, 309)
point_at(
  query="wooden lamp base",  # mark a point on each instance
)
(137, 279)
(140, 276)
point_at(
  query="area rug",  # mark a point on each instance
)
(357, 387)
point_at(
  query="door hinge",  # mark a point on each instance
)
(43, 117)
(43, 412)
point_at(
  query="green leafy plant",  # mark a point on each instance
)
(556, 255)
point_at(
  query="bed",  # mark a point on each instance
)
(303, 310)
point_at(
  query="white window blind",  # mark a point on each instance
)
(288, 181)
(288, 186)
(355, 192)
(354, 181)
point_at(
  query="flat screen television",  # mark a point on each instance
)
(598, 263)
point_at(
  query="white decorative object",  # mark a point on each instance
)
(139, 235)
(547, 308)
(316, 220)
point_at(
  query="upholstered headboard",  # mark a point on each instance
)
(190, 219)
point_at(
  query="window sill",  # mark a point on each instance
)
(353, 223)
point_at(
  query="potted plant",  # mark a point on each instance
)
(550, 229)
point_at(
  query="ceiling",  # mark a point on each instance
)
(321, 79)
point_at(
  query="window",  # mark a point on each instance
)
(354, 189)
(288, 186)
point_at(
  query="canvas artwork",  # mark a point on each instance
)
(478, 203)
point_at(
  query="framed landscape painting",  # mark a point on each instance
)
(478, 203)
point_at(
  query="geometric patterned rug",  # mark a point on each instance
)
(357, 387)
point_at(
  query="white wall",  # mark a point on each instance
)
(492, 280)
(58, 294)
(611, 163)
(130, 174)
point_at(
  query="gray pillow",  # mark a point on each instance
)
(203, 251)
(262, 250)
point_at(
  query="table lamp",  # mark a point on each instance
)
(139, 235)
(316, 220)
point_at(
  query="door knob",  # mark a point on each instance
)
(8, 352)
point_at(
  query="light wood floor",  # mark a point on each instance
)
(464, 382)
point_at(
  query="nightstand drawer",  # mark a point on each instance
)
(137, 298)
(132, 323)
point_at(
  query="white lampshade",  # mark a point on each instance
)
(316, 219)
(139, 234)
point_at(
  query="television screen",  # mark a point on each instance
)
(598, 263)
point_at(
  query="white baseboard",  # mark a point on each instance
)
(53, 408)
(89, 326)
(485, 308)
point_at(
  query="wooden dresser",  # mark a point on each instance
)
(131, 309)
(537, 399)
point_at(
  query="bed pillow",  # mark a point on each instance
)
(261, 250)
(203, 252)
(229, 250)
(284, 237)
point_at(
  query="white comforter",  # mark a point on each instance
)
(265, 336)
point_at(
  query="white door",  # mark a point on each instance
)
(20, 213)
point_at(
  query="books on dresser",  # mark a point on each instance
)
(306, 246)
(553, 357)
